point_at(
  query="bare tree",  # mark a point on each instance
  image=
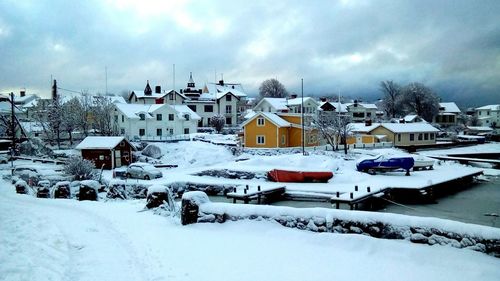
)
(344, 128)
(392, 98)
(218, 122)
(421, 100)
(272, 88)
(102, 110)
(325, 122)
(70, 117)
(83, 113)
(473, 121)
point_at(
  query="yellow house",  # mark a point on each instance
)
(270, 130)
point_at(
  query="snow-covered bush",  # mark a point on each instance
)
(152, 151)
(35, 147)
(80, 168)
(22, 187)
(218, 122)
(89, 190)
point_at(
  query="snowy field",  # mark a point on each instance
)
(44, 239)
(47, 239)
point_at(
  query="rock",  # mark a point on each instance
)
(418, 238)
(312, 226)
(355, 229)
(467, 242)
(207, 218)
(478, 248)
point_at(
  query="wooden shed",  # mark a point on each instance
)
(107, 152)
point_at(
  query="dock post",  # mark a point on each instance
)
(245, 191)
(246, 186)
(350, 206)
(338, 194)
(235, 190)
(367, 189)
(352, 195)
(258, 188)
(258, 199)
(337, 205)
(355, 188)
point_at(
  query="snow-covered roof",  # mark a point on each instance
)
(449, 107)
(132, 111)
(235, 88)
(342, 108)
(493, 107)
(409, 127)
(410, 118)
(479, 128)
(276, 103)
(183, 110)
(362, 128)
(249, 114)
(31, 127)
(26, 98)
(100, 142)
(140, 95)
(365, 105)
(298, 101)
(273, 117)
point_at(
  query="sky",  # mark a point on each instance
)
(345, 46)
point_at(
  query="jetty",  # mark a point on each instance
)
(248, 193)
(466, 160)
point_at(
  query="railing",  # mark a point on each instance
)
(173, 138)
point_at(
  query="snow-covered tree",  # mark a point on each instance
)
(334, 128)
(391, 101)
(102, 110)
(83, 112)
(55, 119)
(70, 117)
(272, 88)
(421, 100)
(344, 128)
(81, 169)
(218, 122)
(473, 121)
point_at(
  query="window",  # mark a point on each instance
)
(426, 136)
(142, 132)
(122, 131)
(260, 122)
(228, 109)
(261, 139)
(159, 132)
(358, 114)
(229, 121)
(186, 131)
(192, 107)
(159, 117)
(283, 139)
(419, 136)
(123, 118)
(170, 117)
(228, 97)
(412, 137)
(142, 116)
(116, 118)
(368, 114)
(488, 112)
(209, 108)
(399, 137)
(170, 131)
(432, 136)
(186, 116)
(101, 157)
(171, 96)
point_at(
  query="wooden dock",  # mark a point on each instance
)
(247, 193)
(466, 160)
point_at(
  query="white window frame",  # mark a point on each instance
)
(263, 139)
(263, 122)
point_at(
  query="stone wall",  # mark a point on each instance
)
(198, 209)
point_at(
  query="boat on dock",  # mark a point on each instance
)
(298, 176)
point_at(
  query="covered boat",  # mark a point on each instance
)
(298, 176)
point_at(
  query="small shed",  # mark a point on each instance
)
(107, 152)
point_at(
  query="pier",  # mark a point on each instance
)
(466, 160)
(248, 193)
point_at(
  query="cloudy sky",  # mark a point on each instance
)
(347, 46)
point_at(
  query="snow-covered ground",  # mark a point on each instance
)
(44, 239)
(47, 239)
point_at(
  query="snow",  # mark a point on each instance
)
(449, 107)
(100, 142)
(196, 197)
(156, 188)
(71, 240)
(409, 127)
(492, 107)
(183, 110)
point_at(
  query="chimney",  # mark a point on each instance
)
(158, 89)
(293, 96)
(147, 90)
(221, 82)
(22, 93)
(368, 122)
(323, 99)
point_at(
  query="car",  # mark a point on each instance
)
(145, 171)
(385, 163)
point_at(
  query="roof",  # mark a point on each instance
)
(276, 103)
(362, 128)
(365, 105)
(235, 88)
(298, 101)
(100, 142)
(140, 95)
(342, 108)
(183, 110)
(408, 127)
(273, 117)
(410, 117)
(449, 107)
(493, 107)
(479, 128)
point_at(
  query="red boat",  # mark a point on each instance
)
(298, 176)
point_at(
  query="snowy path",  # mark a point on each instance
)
(46, 239)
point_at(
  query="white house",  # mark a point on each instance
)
(489, 115)
(448, 113)
(154, 121)
(285, 105)
(361, 111)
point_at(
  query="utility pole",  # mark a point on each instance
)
(302, 112)
(12, 130)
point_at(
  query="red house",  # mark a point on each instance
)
(107, 152)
